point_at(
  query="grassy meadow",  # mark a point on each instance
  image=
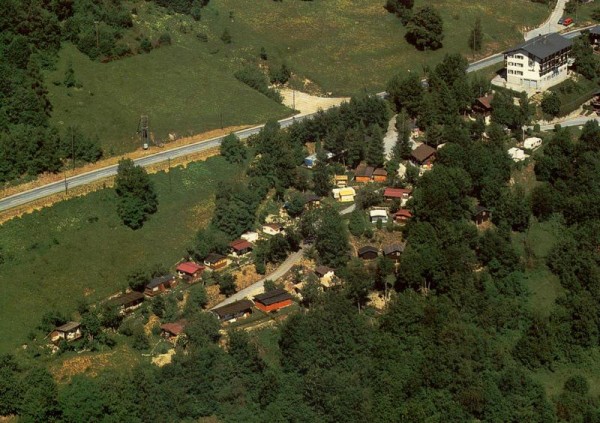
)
(80, 249)
(340, 46)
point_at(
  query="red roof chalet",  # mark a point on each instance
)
(240, 246)
(403, 215)
(400, 193)
(190, 270)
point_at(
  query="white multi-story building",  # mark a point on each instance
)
(537, 64)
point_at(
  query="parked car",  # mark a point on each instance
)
(561, 21)
(568, 21)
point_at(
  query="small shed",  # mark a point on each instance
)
(378, 214)
(312, 201)
(423, 155)
(215, 261)
(240, 247)
(189, 270)
(160, 284)
(68, 332)
(128, 302)
(272, 228)
(394, 250)
(402, 215)
(234, 310)
(326, 276)
(380, 175)
(363, 173)
(482, 214)
(368, 252)
(173, 330)
(483, 105)
(273, 300)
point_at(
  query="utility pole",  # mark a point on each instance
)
(294, 99)
(73, 148)
(169, 160)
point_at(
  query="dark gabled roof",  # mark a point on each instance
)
(311, 198)
(271, 297)
(127, 299)
(67, 327)
(486, 101)
(544, 45)
(233, 308)
(595, 30)
(480, 209)
(380, 172)
(367, 249)
(396, 247)
(159, 281)
(422, 152)
(364, 170)
(322, 270)
(213, 258)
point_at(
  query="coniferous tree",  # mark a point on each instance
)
(375, 148)
(476, 36)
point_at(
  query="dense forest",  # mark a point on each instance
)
(456, 342)
(31, 36)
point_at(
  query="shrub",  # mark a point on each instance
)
(164, 39)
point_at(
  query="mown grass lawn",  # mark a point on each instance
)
(343, 46)
(79, 248)
(348, 45)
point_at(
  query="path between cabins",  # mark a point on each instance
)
(259, 287)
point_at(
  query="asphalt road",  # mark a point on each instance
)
(258, 287)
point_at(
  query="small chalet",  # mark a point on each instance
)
(234, 310)
(368, 252)
(393, 251)
(160, 284)
(344, 195)
(189, 270)
(402, 215)
(423, 155)
(380, 175)
(240, 247)
(272, 228)
(481, 215)
(128, 302)
(401, 194)
(312, 201)
(363, 173)
(378, 214)
(483, 105)
(215, 261)
(325, 275)
(273, 300)
(340, 181)
(250, 236)
(172, 330)
(68, 332)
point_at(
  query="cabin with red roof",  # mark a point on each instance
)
(190, 271)
(273, 300)
(171, 331)
(240, 247)
(397, 193)
(402, 215)
(483, 105)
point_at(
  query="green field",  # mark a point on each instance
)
(79, 248)
(347, 45)
(341, 46)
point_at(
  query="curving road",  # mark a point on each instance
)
(259, 286)
(162, 156)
